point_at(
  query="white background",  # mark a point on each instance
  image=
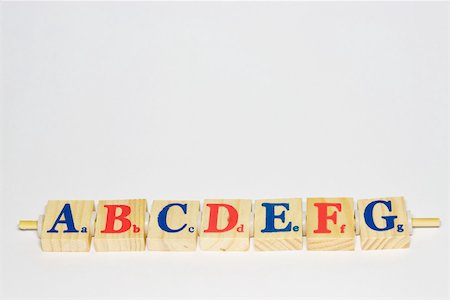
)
(224, 100)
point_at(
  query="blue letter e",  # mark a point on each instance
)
(368, 216)
(66, 212)
(270, 217)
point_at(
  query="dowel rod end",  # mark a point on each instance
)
(426, 222)
(28, 225)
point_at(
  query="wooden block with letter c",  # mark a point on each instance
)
(173, 226)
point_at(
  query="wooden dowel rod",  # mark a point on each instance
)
(416, 222)
(426, 222)
(28, 225)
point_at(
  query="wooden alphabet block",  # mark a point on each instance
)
(173, 226)
(225, 225)
(120, 225)
(278, 224)
(66, 226)
(383, 223)
(330, 224)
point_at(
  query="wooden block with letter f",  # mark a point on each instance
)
(120, 225)
(225, 225)
(330, 224)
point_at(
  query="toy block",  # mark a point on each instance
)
(383, 223)
(278, 224)
(225, 225)
(66, 226)
(173, 226)
(120, 225)
(330, 224)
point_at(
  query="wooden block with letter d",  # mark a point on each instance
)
(278, 224)
(225, 225)
(383, 223)
(120, 225)
(66, 226)
(330, 224)
(173, 226)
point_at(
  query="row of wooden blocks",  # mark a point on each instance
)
(223, 225)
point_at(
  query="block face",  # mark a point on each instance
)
(72, 230)
(383, 223)
(120, 225)
(278, 224)
(225, 225)
(330, 224)
(173, 226)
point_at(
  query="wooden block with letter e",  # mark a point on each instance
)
(383, 223)
(225, 225)
(66, 226)
(173, 226)
(330, 224)
(278, 224)
(120, 225)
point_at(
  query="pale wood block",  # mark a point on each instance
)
(391, 216)
(173, 226)
(125, 228)
(330, 226)
(278, 224)
(66, 226)
(235, 220)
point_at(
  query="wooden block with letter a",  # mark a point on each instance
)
(278, 224)
(173, 226)
(225, 225)
(120, 225)
(330, 224)
(383, 223)
(66, 226)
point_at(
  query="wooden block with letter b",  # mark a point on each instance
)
(278, 224)
(225, 225)
(330, 224)
(173, 226)
(120, 225)
(66, 226)
(383, 223)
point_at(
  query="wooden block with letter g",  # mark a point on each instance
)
(225, 225)
(330, 224)
(278, 224)
(383, 223)
(120, 225)
(66, 226)
(173, 226)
